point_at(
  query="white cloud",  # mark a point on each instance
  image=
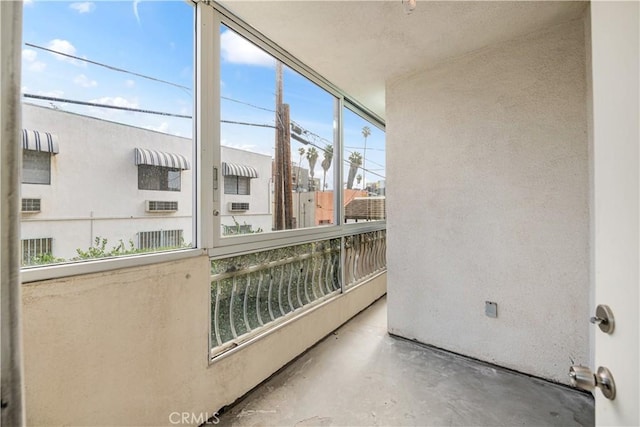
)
(27, 2)
(29, 55)
(64, 46)
(129, 83)
(84, 81)
(30, 58)
(37, 66)
(83, 7)
(135, 10)
(237, 50)
(116, 101)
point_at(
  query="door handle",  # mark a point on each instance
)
(582, 378)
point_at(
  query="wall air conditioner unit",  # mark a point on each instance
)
(238, 206)
(31, 205)
(161, 206)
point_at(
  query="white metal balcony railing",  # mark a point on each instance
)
(252, 293)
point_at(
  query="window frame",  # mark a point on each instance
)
(239, 244)
(201, 219)
(207, 160)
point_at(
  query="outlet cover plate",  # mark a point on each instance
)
(491, 309)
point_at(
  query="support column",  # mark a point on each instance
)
(13, 413)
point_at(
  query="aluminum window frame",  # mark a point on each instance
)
(207, 188)
(199, 196)
(236, 245)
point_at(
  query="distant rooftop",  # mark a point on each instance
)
(366, 208)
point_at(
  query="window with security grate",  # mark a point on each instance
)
(35, 249)
(160, 239)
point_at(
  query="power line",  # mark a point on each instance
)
(136, 110)
(246, 103)
(181, 116)
(114, 107)
(110, 67)
(248, 124)
(361, 148)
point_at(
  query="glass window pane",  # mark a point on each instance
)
(112, 90)
(277, 135)
(230, 184)
(158, 178)
(36, 167)
(364, 169)
(243, 185)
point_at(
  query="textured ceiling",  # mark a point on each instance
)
(358, 45)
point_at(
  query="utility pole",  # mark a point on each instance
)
(278, 197)
(287, 176)
(283, 177)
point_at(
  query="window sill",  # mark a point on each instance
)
(56, 271)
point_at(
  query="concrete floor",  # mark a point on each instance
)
(361, 376)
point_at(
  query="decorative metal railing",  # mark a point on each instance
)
(249, 293)
(365, 255)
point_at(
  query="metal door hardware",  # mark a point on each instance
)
(604, 319)
(584, 379)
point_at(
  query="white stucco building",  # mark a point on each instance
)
(85, 178)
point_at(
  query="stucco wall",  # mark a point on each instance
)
(94, 183)
(488, 183)
(130, 347)
(259, 199)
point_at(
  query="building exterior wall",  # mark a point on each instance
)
(487, 158)
(259, 213)
(94, 184)
(324, 207)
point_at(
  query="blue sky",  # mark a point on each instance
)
(155, 38)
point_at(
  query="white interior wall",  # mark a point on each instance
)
(487, 158)
(130, 346)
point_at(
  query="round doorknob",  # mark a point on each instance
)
(582, 377)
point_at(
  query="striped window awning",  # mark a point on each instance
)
(236, 169)
(40, 141)
(161, 158)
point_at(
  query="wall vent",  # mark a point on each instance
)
(238, 206)
(161, 206)
(31, 205)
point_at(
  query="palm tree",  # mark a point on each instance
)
(312, 156)
(366, 131)
(326, 164)
(358, 179)
(355, 161)
(301, 152)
